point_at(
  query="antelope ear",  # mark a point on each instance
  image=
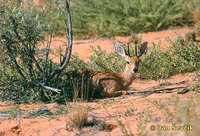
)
(143, 49)
(120, 50)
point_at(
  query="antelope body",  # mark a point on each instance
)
(109, 84)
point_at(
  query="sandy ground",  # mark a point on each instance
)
(127, 108)
(83, 50)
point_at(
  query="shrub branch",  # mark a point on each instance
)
(68, 50)
(15, 62)
(25, 45)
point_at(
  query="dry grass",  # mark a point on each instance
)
(78, 117)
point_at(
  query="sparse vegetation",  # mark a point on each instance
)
(181, 57)
(142, 122)
(95, 17)
(13, 113)
(194, 9)
(124, 128)
(43, 112)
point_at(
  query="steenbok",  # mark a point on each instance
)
(108, 84)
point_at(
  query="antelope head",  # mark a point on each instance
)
(132, 62)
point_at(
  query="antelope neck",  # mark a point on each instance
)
(127, 78)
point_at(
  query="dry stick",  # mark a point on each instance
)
(60, 54)
(47, 87)
(99, 37)
(69, 36)
(65, 44)
(187, 89)
(47, 56)
(42, 85)
(69, 49)
(62, 42)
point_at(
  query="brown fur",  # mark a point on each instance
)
(108, 84)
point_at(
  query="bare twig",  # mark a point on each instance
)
(70, 39)
(30, 73)
(99, 37)
(60, 54)
(46, 87)
(62, 42)
(49, 41)
(50, 88)
(66, 51)
(187, 89)
(69, 32)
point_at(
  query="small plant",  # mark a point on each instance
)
(78, 117)
(13, 112)
(124, 130)
(142, 122)
(43, 112)
(129, 112)
(164, 107)
(61, 110)
(107, 62)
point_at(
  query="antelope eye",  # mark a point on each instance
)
(128, 62)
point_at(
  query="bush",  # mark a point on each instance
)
(101, 61)
(31, 28)
(180, 57)
(26, 71)
(121, 17)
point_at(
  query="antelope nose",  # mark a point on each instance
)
(135, 70)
